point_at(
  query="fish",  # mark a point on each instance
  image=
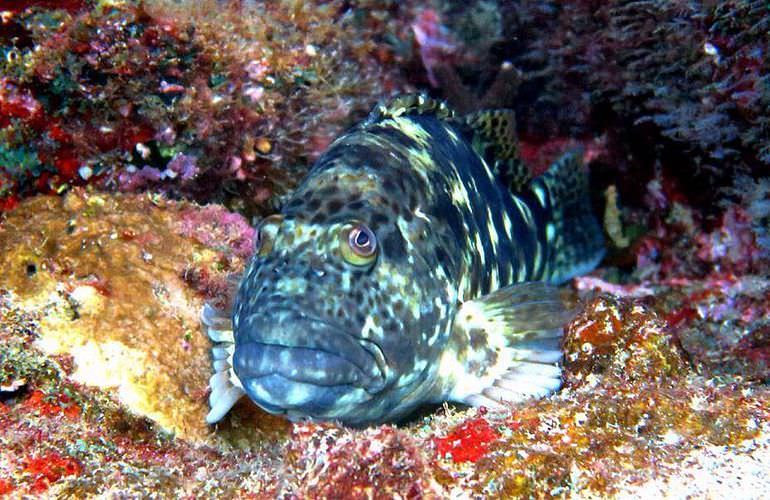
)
(418, 262)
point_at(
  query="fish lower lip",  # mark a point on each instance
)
(301, 364)
(297, 399)
(272, 409)
(369, 347)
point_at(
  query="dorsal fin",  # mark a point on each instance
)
(494, 138)
(414, 104)
(492, 132)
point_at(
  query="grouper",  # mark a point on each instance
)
(416, 263)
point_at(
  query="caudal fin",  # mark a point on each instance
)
(574, 236)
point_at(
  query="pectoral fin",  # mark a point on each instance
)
(226, 389)
(506, 346)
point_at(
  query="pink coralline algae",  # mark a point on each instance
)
(216, 227)
(376, 463)
(179, 169)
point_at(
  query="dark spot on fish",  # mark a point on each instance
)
(441, 255)
(402, 184)
(478, 338)
(31, 269)
(379, 219)
(295, 203)
(334, 206)
(505, 273)
(394, 247)
(492, 357)
(325, 192)
(313, 204)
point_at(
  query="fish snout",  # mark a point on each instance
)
(306, 365)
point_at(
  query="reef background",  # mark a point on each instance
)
(137, 139)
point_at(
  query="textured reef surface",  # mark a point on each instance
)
(138, 138)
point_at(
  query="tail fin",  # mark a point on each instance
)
(573, 235)
(226, 389)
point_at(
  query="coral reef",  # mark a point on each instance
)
(671, 86)
(213, 100)
(103, 377)
(118, 117)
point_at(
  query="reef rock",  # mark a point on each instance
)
(112, 281)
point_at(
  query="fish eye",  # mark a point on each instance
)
(362, 241)
(265, 234)
(360, 245)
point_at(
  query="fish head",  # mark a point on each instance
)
(340, 314)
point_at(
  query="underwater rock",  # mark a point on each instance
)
(620, 341)
(107, 278)
(630, 412)
(381, 462)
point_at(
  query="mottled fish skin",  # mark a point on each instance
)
(316, 336)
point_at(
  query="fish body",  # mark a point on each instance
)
(403, 270)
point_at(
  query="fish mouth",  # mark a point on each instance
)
(307, 352)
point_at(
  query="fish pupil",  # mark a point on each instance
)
(362, 239)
